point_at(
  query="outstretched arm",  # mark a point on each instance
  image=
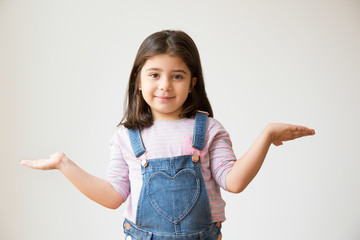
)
(97, 189)
(246, 167)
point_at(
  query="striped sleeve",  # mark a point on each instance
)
(221, 154)
(118, 171)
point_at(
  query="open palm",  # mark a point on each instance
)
(53, 162)
(285, 132)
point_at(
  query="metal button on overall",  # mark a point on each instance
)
(144, 163)
(127, 225)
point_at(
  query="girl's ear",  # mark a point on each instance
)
(193, 83)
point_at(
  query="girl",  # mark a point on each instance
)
(169, 156)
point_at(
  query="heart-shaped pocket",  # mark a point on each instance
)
(174, 197)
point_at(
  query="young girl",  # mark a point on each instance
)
(169, 156)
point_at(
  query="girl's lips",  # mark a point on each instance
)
(164, 98)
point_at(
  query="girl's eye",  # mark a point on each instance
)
(154, 75)
(178, 77)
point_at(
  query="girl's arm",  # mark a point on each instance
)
(97, 189)
(246, 167)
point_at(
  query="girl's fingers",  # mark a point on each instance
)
(303, 131)
(311, 131)
(36, 164)
(307, 132)
(26, 163)
(287, 132)
(53, 162)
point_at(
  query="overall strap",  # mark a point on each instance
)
(136, 142)
(198, 141)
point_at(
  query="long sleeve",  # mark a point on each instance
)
(221, 154)
(118, 171)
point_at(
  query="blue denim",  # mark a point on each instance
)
(198, 141)
(136, 142)
(173, 202)
(211, 233)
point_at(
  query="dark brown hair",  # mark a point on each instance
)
(175, 43)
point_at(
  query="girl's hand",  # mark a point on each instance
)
(53, 162)
(97, 189)
(280, 132)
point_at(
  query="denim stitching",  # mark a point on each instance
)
(156, 161)
(210, 232)
(190, 206)
(131, 231)
(136, 142)
(199, 134)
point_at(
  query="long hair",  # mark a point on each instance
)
(175, 43)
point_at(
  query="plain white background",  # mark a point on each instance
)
(64, 67)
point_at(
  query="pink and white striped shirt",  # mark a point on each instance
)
(169, 139)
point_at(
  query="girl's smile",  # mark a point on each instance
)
(165, 83)
(164, 98)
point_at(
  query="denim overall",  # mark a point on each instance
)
(173, 202)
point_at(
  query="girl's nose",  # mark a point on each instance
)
(165, 84)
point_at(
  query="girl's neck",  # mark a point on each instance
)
(166, 117)
(165, 121)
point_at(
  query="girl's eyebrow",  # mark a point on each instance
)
(160, 70)
(181, 71)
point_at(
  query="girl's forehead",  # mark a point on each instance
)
(165, 62)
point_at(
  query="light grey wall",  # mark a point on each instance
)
(64, 67)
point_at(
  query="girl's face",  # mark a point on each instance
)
(165, 82)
